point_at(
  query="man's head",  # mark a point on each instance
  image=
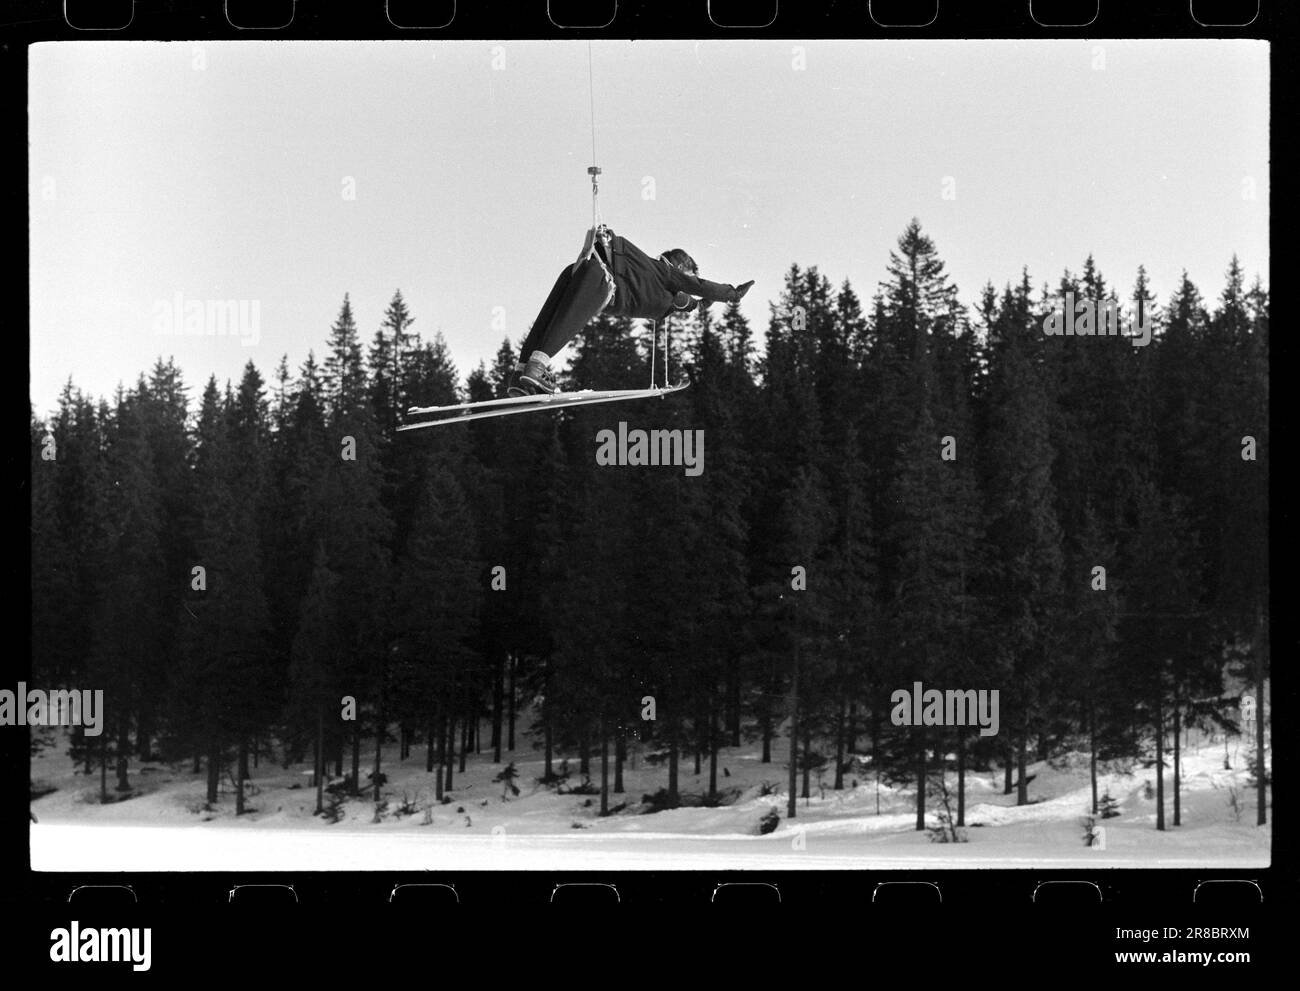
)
(680, 260)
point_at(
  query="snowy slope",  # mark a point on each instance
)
(163, 826)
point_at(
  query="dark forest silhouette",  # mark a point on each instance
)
(372, 576)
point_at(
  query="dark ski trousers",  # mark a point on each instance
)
(577, 297)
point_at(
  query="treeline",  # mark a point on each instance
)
(894, 491)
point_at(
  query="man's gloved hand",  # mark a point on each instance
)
(742, 289)
(684, 302)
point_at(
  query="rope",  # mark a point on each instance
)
(654, 347)
(668, 330)
(594, 170)
(591, 92)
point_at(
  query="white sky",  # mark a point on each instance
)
(216, 171)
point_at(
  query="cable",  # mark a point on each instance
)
(591, 91)
(594, 169)
(654, 347)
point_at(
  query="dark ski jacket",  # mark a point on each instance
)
(645, 287)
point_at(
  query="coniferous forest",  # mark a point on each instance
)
(897, 488)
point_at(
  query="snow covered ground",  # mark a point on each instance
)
(163, 826)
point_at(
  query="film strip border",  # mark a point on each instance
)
(1021, 924)
(1044, 890)
(988, 901)
(288, 19)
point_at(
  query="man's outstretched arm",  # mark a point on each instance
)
(714, 292)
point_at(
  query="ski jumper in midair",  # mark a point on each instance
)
(612, 275)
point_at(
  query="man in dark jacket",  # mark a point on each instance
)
(612, 275)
